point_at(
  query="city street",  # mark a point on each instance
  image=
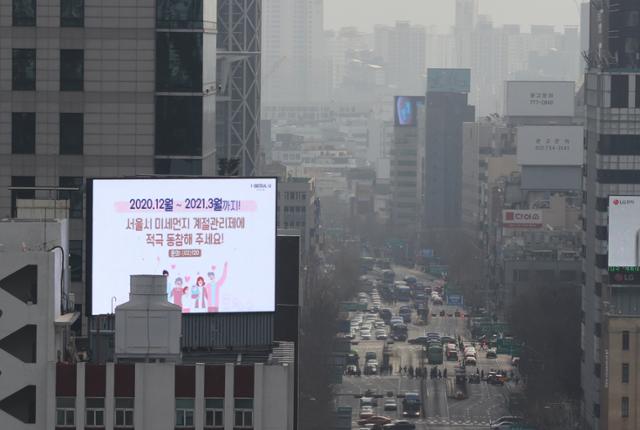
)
(484, 402)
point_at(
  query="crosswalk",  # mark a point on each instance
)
(437, 421)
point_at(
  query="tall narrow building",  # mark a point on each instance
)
(446, 110)
(293, 52)
(403, 48)
(239, 88)
(611, 295)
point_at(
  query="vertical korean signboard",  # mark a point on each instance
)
(214, 240)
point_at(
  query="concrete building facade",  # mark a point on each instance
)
(89, 89)
(611, 168)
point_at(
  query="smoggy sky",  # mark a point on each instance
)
(365, 13)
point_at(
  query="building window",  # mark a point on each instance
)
(625, 341)
(214, 414)
(75, 260)
(24, 13)
(95, 412)
(184, 412)
(619, 91)
(624, 407)
(65, 412)
(243, 413)
(625, 373)
(21, 181)
(597, 329)
(178, 166)
(74, 197)
(71, 13)
(71, 70)
(124, 412)
(596, 410)
(178, 125)
(23, 133)
(184, 14)
(597, 369)
(71, 133)
(24, 69)
(179, 62)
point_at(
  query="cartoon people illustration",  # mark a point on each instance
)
(197, 293)
(178, 291)
(215, 305)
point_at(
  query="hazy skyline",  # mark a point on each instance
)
(364, 14)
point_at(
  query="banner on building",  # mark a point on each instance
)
(521, 218)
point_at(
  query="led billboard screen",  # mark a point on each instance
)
(406, 110)
(214, 239)
(540, 98)
(448, 80)
(550, 145)
(624, 231)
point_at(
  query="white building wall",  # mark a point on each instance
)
(24, 243)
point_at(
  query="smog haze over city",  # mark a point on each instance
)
(320, 214)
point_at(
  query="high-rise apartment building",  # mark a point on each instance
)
(403, 48)
(238, 101)
(95, 89)
(465, 21)
(292, 47)
(611, 324)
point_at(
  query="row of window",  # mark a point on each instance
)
(178, 130)
(71, 69)
(295, 195)
(124, 407)
(170, 14)
(23, 133)
(179, 65)
(71, 13)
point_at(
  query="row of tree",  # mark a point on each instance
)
(327, 285)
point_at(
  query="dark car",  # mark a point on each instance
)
(400, 425)
(420, 340)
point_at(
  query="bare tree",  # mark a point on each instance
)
(547, 318)
(322, 296)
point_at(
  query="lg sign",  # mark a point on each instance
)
(521, 219)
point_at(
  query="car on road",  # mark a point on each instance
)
(368, 401)
(376, 420)
(366, 412)
(381, 335)
(370, 355)
(420, 340)
(365, 335)
(447, 339)
(390, 405)
(371, 368)
(470, 361)
(400, 425)
(385, 314)
(492, 353)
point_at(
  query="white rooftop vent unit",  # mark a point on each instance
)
(148, 327)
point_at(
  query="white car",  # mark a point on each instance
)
(390, 405)
(366, 412)
(381, 335)
(365, 334)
